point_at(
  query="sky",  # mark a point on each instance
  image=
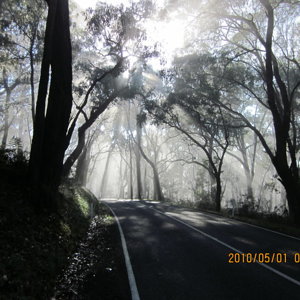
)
(91, 3)
(169, 34)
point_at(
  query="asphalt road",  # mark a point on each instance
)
(181, 254)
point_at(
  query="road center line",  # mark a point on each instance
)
(228, 246)
(131, 278)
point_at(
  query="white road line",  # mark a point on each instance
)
(270, 230)
(229, 247)
(131, 278)
(229, 220)
(242, 222)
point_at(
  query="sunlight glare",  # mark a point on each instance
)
(92, 3)
(169, 36)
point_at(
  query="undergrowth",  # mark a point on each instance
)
(34, 248)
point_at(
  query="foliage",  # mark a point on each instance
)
(21, 29)
(34, 248)
(94, 269)
(13, 164)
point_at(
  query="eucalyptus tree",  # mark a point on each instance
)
(52, 112)
(249, 148)
(190, 108)
(124, 145)
(116, 124)
(116, 32)
(8, 84)
(151, 156)
(88, 155)
(21, 34)
(259, 36)
(22, 30)
(150, 143)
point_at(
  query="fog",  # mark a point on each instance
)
(113, 169)
(171, 102)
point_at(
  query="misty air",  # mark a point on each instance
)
(149, 149)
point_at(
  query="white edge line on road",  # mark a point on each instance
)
(267, 229)
(230, 247)
(131, 278)
(244, 223)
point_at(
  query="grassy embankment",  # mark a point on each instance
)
(59, 254)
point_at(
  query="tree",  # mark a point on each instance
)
(247, 143)
(89, 121)
(114, 140)
(9, 85)
(116, 29)
(85, 158)
(157, 190)
(138, 160)
(255, 41)
(22, 34)
(190, 109)
(51, 122)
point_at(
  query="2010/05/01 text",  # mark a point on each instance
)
(266, 258)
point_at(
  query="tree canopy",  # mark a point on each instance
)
(219, 109)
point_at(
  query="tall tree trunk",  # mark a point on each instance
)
(249, 181)
(121, 182)
(248, 173)
(6, 119)
(49, 138)
(291, 183)
(212, 171)
(81, 135)
(146, 188)
(21, 118)
(130, 172)
(32, 75)
(158, 194)
(218, 192)
(83, 166)
(103, 185)
(125, 181)
(286, 168)
(138, 163)
(8, 90)
(76, 152)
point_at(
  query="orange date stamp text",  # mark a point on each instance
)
(263, 258)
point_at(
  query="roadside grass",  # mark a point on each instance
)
(97, 269)
(37, 249)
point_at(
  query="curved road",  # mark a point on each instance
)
(182, 254)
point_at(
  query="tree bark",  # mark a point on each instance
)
(248, 173)
(6, 119)
(49, 138)
(121, 179)
(130, 171)
(8, 90)
(138, 162)
(158, 194)
(81, 135)
(105, 173)
(83, 166)
(289, 174)
(218, 194)
(32, 75)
